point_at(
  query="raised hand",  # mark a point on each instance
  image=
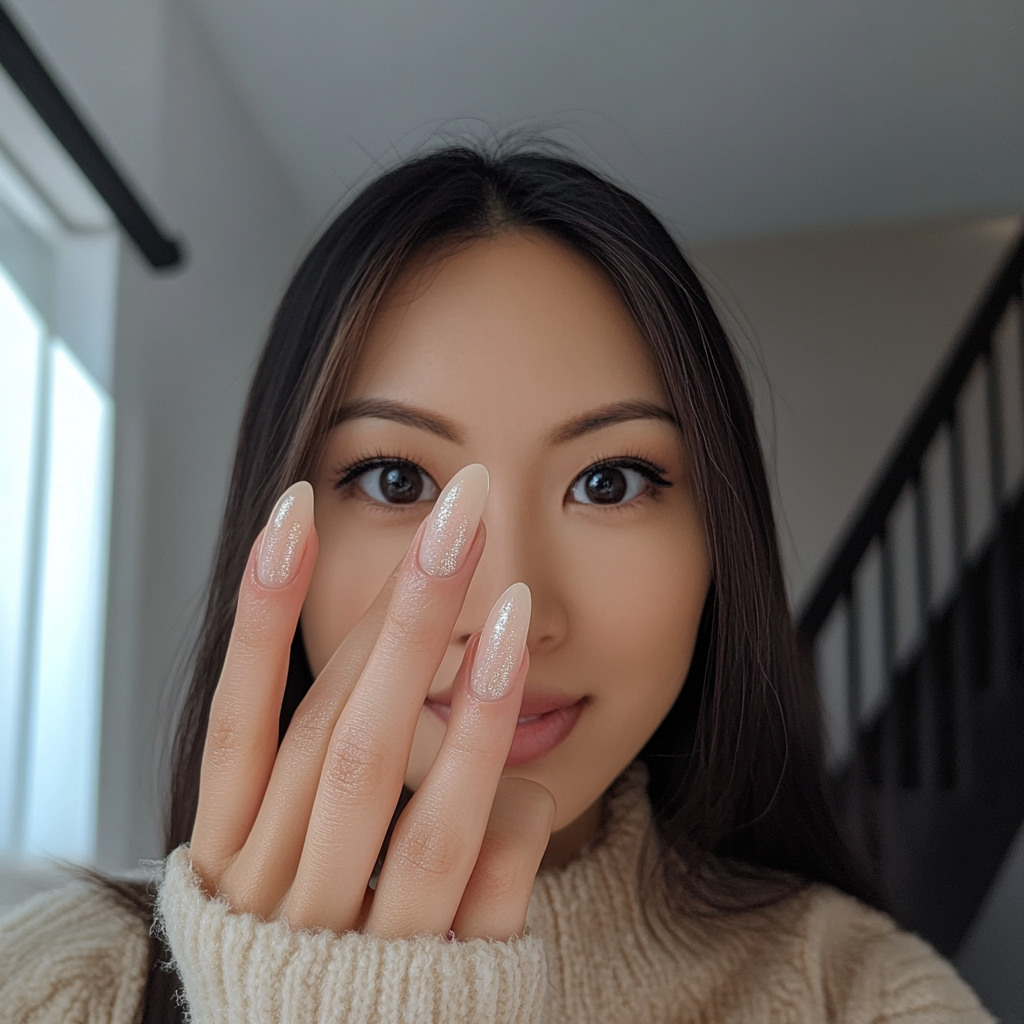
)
(295, 832)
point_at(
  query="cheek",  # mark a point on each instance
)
(351, 568)
(640, 606)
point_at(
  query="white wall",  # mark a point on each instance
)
(186, 344)
(841, 333)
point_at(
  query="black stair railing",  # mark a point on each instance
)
(915, 625)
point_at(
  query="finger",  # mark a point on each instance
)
(368, 754)
(438, 837)
(498, 893)
(265, 869)
(241, 737)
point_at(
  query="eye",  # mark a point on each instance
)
(609, 485)
(397, 483)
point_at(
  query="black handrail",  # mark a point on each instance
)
(937, 407)
(41, 90)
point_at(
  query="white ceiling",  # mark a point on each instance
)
(732, 117)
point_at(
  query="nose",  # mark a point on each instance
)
(517, 549)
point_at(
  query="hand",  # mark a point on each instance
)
(294, 832)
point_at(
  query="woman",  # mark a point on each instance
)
(518, 731)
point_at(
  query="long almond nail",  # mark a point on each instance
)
(453, 521)
(284, 539)
(502, 644)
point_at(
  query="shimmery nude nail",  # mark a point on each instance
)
(502, 644)
(453, 521)
(284, 539)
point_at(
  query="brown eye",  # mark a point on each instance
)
(608, 485)
(398, 484)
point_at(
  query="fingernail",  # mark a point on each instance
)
(285, 537)
(453, 520)
(502, 644)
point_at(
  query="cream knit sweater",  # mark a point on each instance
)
(75, 956)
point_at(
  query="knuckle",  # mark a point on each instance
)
(407, 638)
(308, 730)
(468, 746)
(409, 627)
(227, 737)
(355, 765)
(427, 846)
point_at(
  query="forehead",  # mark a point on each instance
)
(505, 328)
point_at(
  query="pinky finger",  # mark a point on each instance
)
(498, 892)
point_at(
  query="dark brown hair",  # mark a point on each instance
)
(736, 776)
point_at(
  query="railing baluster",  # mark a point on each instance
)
(958, 493)
(1020, 333)
(923, 542)
(888, 752)
(995, 433)
(853, 664)
(1001, 583)
(1017, 577)
(927, 720)
(888, 579)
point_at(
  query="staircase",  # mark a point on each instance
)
(916, 626)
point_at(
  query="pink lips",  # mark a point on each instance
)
(553, 718)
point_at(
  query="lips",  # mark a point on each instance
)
(533, 703)
(544, 722)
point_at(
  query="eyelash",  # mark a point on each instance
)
(379, 459)
(363, 463)
(650, 471)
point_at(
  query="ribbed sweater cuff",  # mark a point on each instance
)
(238, 969)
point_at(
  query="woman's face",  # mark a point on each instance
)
(516, 353)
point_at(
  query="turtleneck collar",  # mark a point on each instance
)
(603, 961)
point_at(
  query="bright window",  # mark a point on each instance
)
(56, 429)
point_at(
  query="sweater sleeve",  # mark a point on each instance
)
(874, 973)
(72, 956)
(239, 969)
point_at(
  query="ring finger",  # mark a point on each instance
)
(438, 838)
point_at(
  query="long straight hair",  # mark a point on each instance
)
(735, 770)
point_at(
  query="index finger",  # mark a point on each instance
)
(368, 754)
(274, 846)
(241, 736)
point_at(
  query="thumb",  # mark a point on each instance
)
(497, 895)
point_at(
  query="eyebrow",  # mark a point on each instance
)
(608, 415)
(400, 412)
(421, 419)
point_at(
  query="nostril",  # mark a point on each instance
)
(463, 638)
